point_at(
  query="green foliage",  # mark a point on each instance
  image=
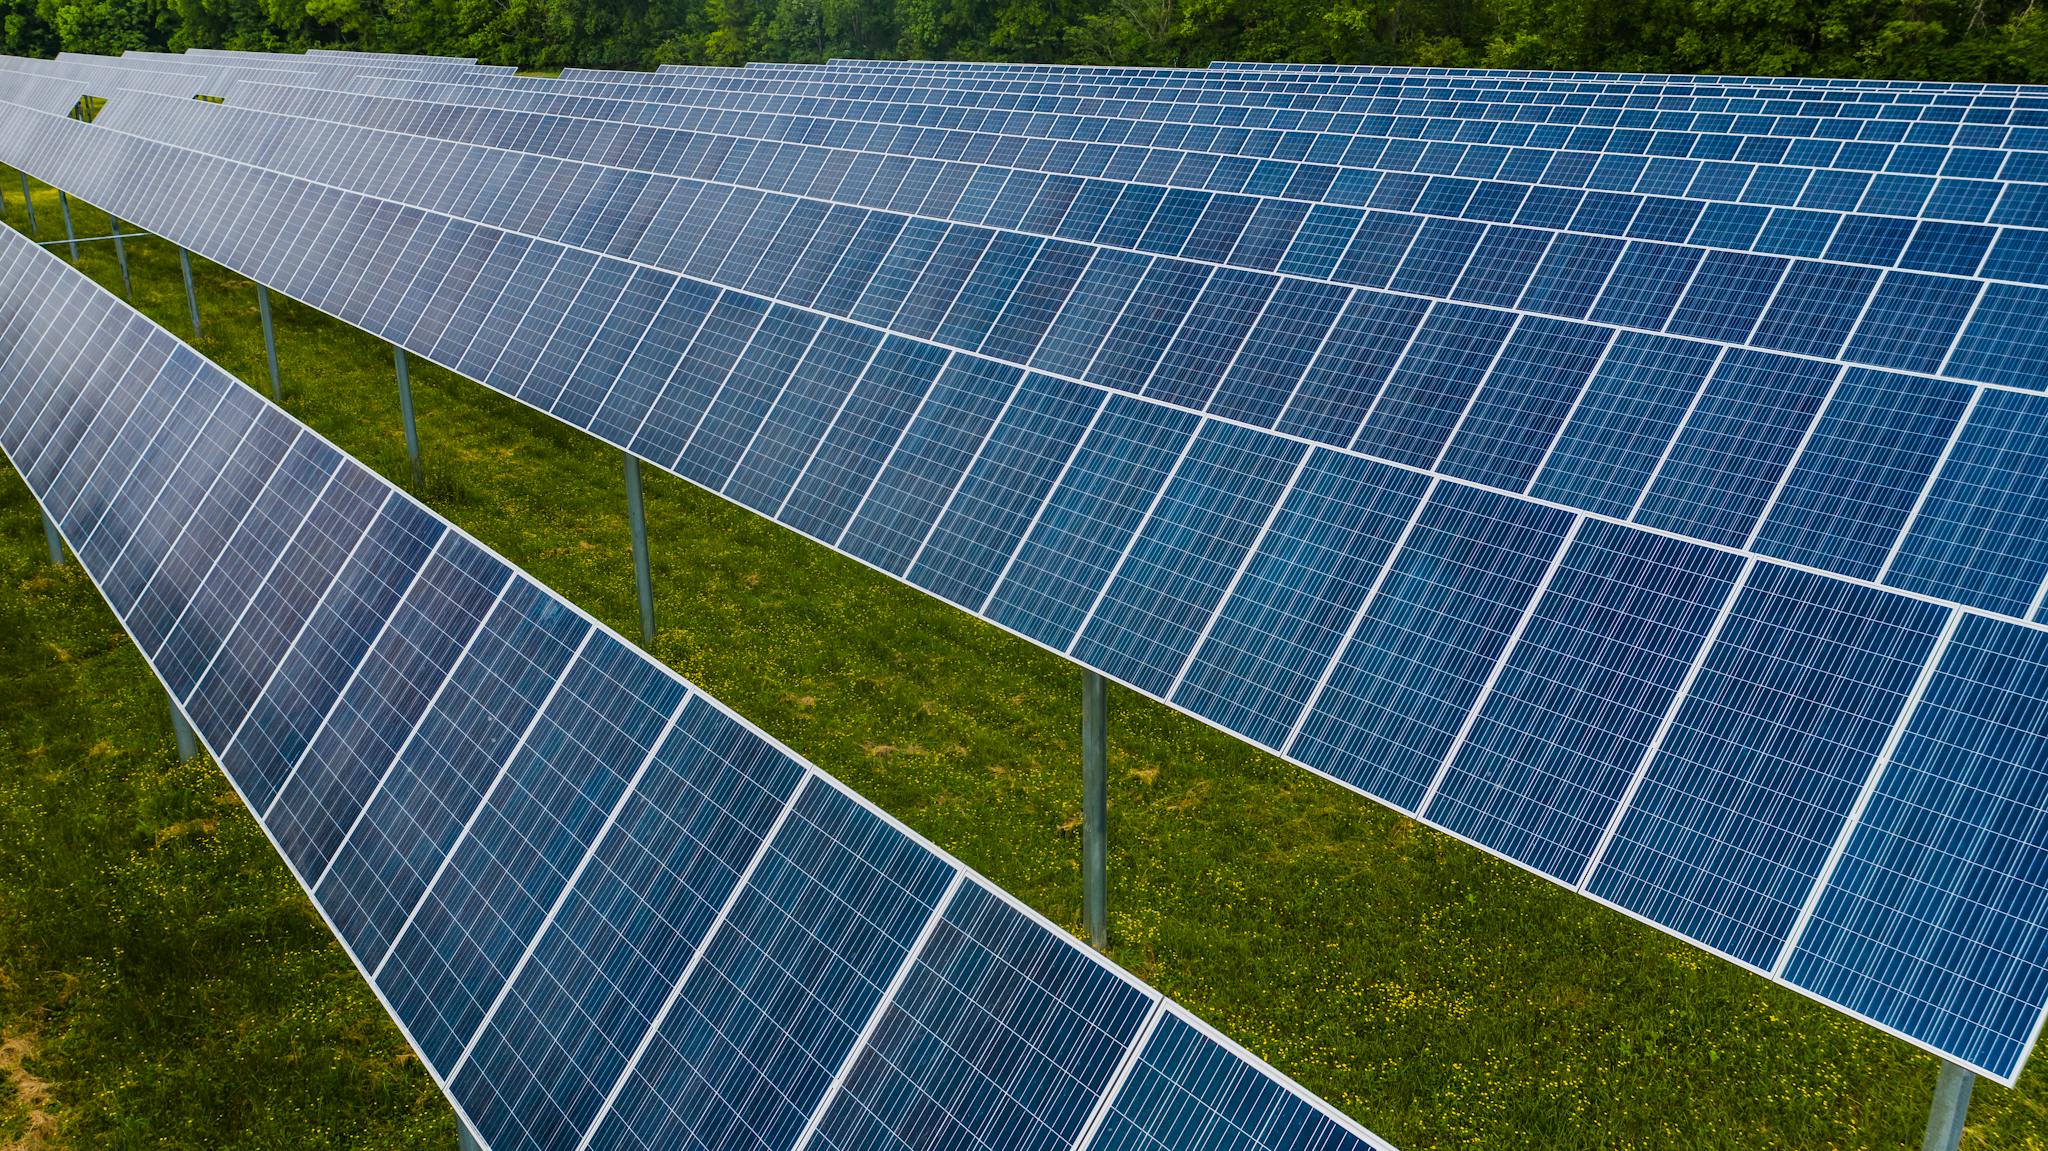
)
(177, 991)
(2000, 40)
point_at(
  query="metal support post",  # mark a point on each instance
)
(465, 1139)
(28, 201)
(56, 541)
(188, 744)
(1095, 807)
(191, 297)
(269, 342)
(643, 581)
(412, 433)
(64, 205)
(121, 254)
(1951, 1106)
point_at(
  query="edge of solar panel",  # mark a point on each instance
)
(14, 247)
(1812, 994)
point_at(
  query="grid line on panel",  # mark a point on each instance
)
(484, 802)
(1664, 725)
(896, 442)
(263, 582)
(1500, 664)
(1792, 463)
(1677, 433)
(1464, 412)
(1251, 553)
(1002, 577)
(1315, 694)
(1137, 530)
(1926, 489)
(412, 733)
(1870, 785)
(739, 887)
(1107, 1100)
(355, 672)
(568, 887)
(881, 1008)
(966, 472)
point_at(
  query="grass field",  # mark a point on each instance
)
(172, 988)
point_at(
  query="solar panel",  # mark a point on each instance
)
(1379, 613)
(604, 909)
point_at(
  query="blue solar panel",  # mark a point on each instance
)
(605, 911)
(1937, 864)
(1743, 792)
(1093, 525)
(1542, 769)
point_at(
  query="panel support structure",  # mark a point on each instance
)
(28, 201)
(121, 255)
(56, 541)
(465, 1139)
(643, 580)
(1951, 1107)
(70, 234)
(269, 342)
(191, 297)
(412, 432)
(188, 743)
(1095, 807)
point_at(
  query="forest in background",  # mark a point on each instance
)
(1999, 40)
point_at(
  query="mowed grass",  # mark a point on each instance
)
(1444, 998)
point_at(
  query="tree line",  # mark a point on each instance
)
(1997, 40)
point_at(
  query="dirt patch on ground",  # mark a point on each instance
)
(26, 1124)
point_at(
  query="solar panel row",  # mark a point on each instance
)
(1009, 486)
(605, 910)
(1462, 79)
(52, 79)
(1343, 159)
(1468, 391)
(1212, 97)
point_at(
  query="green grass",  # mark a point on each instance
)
(1443, 997)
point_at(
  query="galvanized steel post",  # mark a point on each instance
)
(191, 297)
(188, 743)
(412, 433)
(465, 1139)
(64, 206)
(269, 342)
(1095, 807)
(28, 201)
(643, 580)
(1951, 1106)
(56, 541)
(121, 255)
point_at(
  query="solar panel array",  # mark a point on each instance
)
(606, 911)
(1625, 582)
